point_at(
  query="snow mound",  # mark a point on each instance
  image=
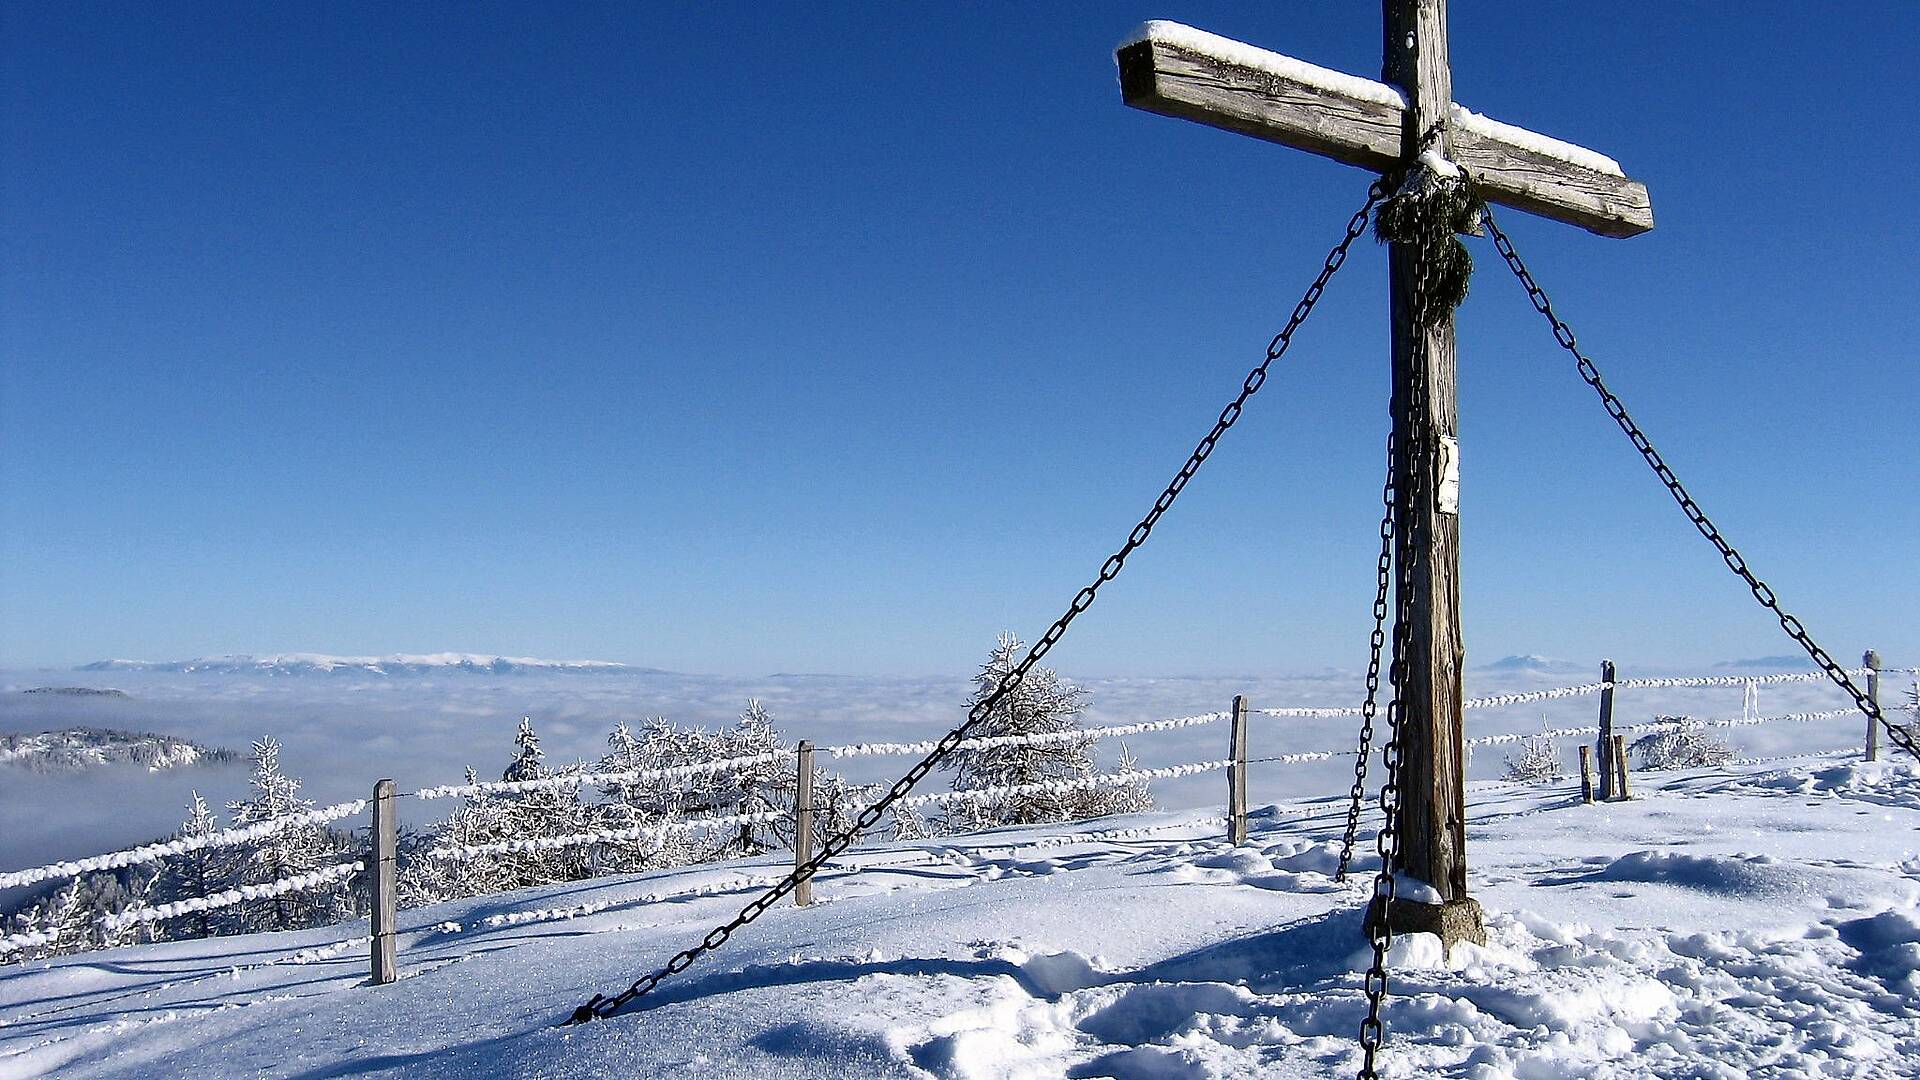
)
(1737, 874)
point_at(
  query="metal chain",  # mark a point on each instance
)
(1368, 708)
(1410, 519)
(600, 1006)
(1732, 557)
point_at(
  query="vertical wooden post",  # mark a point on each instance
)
(1237, 775)
(385, 864)
(1622, 791)
(1606, 732)
(1872, 662)
(1433, 827)
(803, 821)
(1586, 774)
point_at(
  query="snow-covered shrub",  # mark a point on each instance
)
(1040, 705)
(1538, 762)
(1683, 745)
(1133, 797)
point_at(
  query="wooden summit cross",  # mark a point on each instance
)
(1178, 71)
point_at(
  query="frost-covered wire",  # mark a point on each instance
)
(625, 776)
(1311, 713)
(524, 845)
(1522, 736)
(1730, 680)
(1304, 755)
(244, 834)
(1497, 700)
(1657, 725)
(229, 897)
(1742, 721)
(1046, 738)
(994, 793)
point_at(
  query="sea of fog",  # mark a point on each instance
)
(341, 732)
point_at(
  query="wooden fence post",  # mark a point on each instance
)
(803, 821)
(1620, 768)
(1872, 662)
(386, 862)
(1607, 767)
(1586, 774)
(1237, 775)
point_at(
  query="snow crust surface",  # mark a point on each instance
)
(1729, 922)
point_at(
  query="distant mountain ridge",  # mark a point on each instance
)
(1543, 664)
(390, 665)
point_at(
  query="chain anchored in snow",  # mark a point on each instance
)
(600, 1005)
(1735, 561)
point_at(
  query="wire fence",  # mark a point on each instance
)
(574, 781)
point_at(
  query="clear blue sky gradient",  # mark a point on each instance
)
(834, 337)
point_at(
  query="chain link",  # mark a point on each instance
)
(1369, 707)
(1735, 561)
(600, 1006)
(1409, 513)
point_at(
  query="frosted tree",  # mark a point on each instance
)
(543, 813)
(639, 804)
(1685, 744)
(297, 849)
(758, 788)
(69, 918)
(201, 872)
(1040, 705)
(426, 880)
(65, 919)
(754, 788)
(1538, 762)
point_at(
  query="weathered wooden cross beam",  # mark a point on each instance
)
(1179, 71)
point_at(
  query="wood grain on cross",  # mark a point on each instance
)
(1178, 71)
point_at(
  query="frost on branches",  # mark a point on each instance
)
(1040, 705)
(201, 872)
(285, 853)
(1537, 763)
(488, 819)
(1684, 745)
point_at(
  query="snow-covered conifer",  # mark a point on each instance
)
(300, 849)
(1040, 705)
(201, 872)
(548, 812)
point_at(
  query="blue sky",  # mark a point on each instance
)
(836, 337)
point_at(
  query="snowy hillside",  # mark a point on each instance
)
(395, 664)
(82, 748)
(1740, 921)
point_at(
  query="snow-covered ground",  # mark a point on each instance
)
(1753, 920)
